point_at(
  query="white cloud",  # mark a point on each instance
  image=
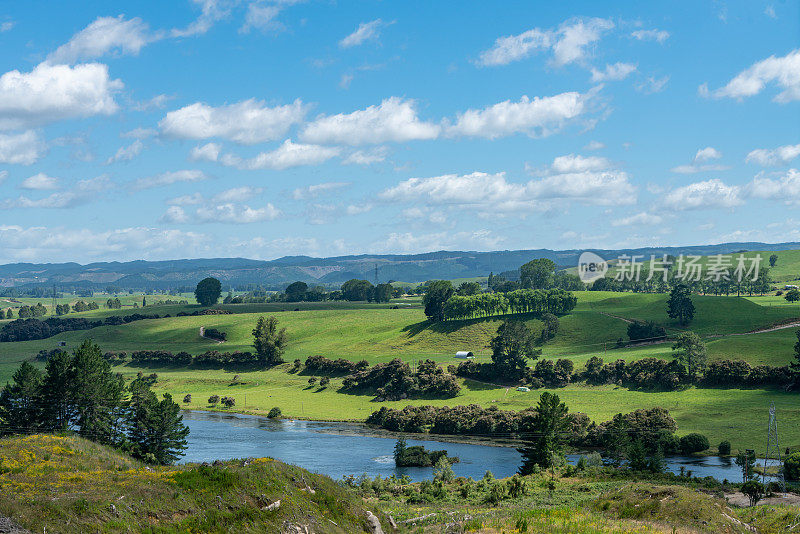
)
(6, 26)
(568, 43)
(406, 242)
(236, 213)
(366, 31)
(773, 157)
(712, 193)
(139, 133)
(207, 152)
(157, 102)
(538, 117)
(104, 35)
(211, 12)
(394, 119)
(39, 182)
(22, 149)
(366, 157)
(577, 163)
(186, 200)
(3, 176)
(246, 122)
(83, 192)
(615, 72)
(699, 162)
(639, 219)
(493, 193)
(315, 190)
(354, 209)
(782, 71)
(785, 188)
(260, 17)
(770, 12)
(127, 153)
(55, 92)
(38, 243)
(594, 145)
(237, 194)
(175, 215)
(287, 155)
(168, 178)
(652, 85)
(651, 35)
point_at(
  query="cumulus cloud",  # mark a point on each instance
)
(287, 155)
(246, 122)
(616, 72)
(782, 71)
(651, 35)
(39, 243)
(55, 92)
(366, 31)
(538, 117)
(127, 153)
(229, 206)
(315, 190)
(406, 242)
(168, 178)
(236, 213)
(207, 152)
(773, 157)
(568, 43)
(83, 192)
(713, 193)
(39, 182)
(393, 120)
(366, 157)
(639, 219)
(21, 148)
(785, 188)
(577, 163)
(493, 193)
(104, 35)
(700, 162)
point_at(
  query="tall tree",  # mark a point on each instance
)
(208, 291)
(155, 428)
(549, 426)
(794, 366)
(438, 292)
(513, 345)
(296, 292)
(467, 289)
(19, 401)
(679, 304)
(268, 341)
(97, 394)
(382, 292)
(773, 259)
(537, 274)
(355, 290)
(57, 407)
(690, 350)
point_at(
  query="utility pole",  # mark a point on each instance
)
(772, 456)
(376, 274)
(54, 300)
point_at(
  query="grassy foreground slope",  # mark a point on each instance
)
(66, 484)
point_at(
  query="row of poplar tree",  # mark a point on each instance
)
(79, 392)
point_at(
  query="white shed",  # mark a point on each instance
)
(464, 354)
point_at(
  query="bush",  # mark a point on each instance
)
(213, 399)
(312, 380)
(324, 381)
(229, 402)
(645, 331)
(724, 448)
(791, 467)
(275, 413)
(691, 443)
(187, 398)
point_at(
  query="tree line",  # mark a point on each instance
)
(79, 392)
(29, 329)
(539, 301)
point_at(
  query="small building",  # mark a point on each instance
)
(62, 343)
(789, 286)
(464, 354)
(523, 389)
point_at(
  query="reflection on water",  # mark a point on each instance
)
(339, 449)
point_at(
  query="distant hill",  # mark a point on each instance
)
(276, 274)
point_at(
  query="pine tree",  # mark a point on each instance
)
(57, 411)
(155, 429)
(679, 305)
(97, 394)
(19, 401)
(549, 425)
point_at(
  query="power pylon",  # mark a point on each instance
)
(772, 456)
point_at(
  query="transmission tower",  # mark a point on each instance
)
(772, 457)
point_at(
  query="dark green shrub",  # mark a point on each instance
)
(274, 413)
(691, 443)
(724, 448)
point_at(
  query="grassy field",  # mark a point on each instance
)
(70, 485)
(378, 333)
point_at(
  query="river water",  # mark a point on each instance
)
(340, 449)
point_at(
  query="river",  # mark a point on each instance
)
(340, 449)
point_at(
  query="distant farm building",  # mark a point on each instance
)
(464, 354)
(789, 286)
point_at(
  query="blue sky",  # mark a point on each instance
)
(208, 128)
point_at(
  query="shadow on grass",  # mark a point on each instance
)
(448, 327)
